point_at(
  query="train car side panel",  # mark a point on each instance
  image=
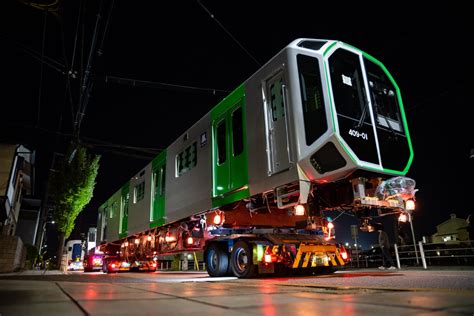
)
(113, 220)
(140, 201)
(262, 114)
(189, 172)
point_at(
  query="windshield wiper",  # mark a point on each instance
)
(362, 116)
(376, 107)
(364, 110)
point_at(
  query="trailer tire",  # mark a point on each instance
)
(217, 260)
(241, 260)
(105, 267)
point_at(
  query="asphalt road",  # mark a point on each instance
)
(356, 292)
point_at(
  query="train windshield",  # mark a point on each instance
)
(383, 97)
(352, 106)
(348, 86)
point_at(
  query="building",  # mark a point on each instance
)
(452, 230)
(19, 212)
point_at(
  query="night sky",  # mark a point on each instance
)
(179, 43)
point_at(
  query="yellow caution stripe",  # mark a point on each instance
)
(311, 253)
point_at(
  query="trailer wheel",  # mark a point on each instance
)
(241, 260)
(217, 260)
(105, 267)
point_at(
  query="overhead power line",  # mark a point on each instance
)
(146, 152)
(228, 33)
(56, 65)
(162, 85)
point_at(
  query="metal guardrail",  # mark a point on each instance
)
(422, 254)
(435, 254)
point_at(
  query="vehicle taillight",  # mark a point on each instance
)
(218, 218)
(113, 265)
(344, 254)
(97, 261)
(169, 237)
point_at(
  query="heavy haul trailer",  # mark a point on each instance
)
(319, 127)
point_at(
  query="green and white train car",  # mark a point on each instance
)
(319, 126)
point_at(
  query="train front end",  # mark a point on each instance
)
(354, 143)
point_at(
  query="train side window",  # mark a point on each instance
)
(314, 114)
(139, 192)
(221, 142)
(159, 181)
(125, 205)
(162, 180)
(237, 132)
(187, 159)
(276, 100)
(113, 209)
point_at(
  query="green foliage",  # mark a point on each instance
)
(72, 187)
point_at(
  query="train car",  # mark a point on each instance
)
(321, 126)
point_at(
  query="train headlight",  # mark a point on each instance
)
(299, 210)
(410, 205)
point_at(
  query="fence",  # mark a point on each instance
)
(436, 254)
(422, 254)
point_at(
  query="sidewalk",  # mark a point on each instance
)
(414, 268)
(34, 272)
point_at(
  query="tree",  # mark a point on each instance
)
(72, 189)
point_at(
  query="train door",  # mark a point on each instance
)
(158, 191)
(124, 211)
(230, 179)
(105, 216)
(278, 150)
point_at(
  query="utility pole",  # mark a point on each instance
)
(44, 204)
